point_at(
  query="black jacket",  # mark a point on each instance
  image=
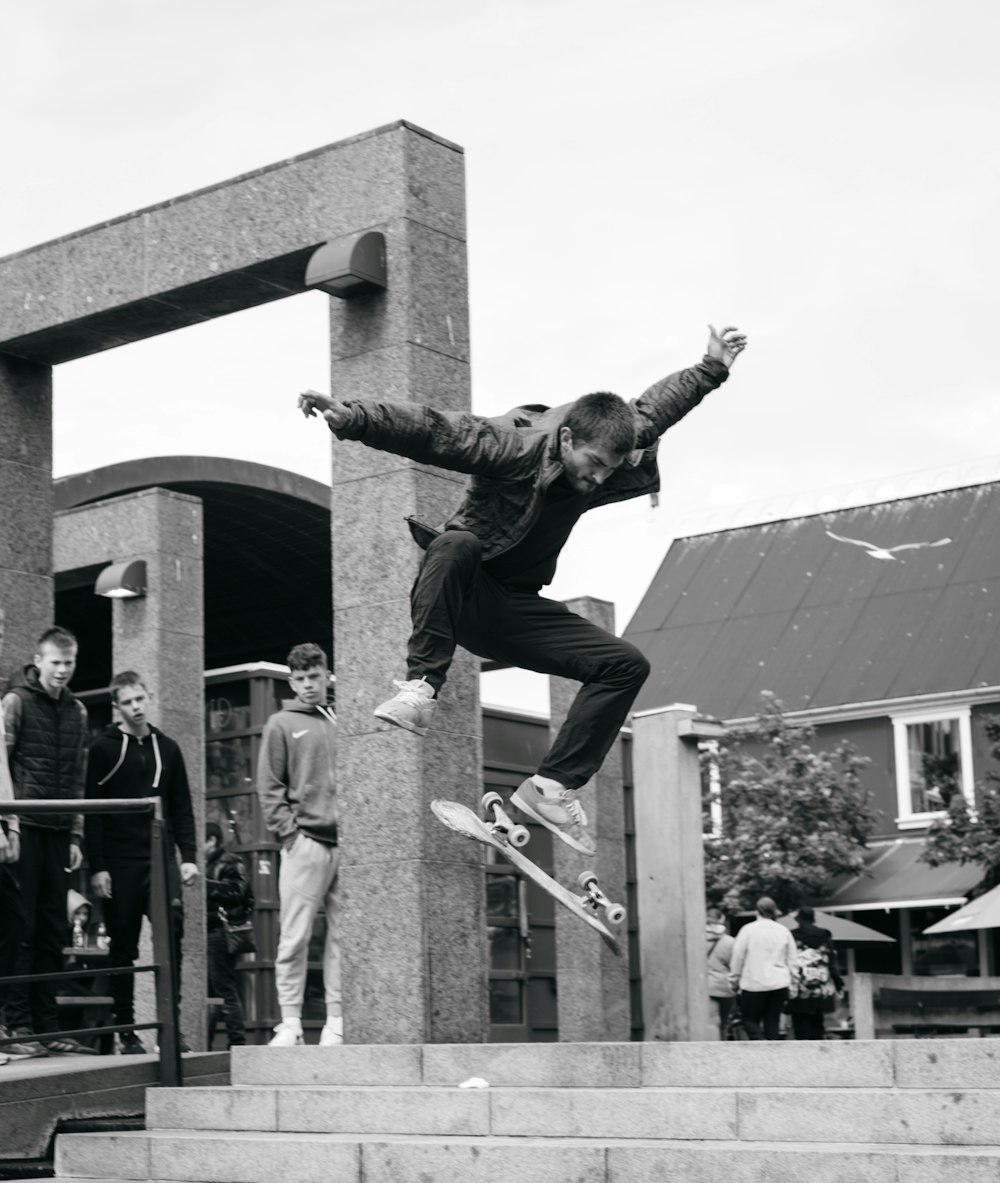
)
(120, 765)
(513, 459)
(46, 747)
(226, 886)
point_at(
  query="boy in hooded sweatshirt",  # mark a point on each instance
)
(132, 758)
(297, 790)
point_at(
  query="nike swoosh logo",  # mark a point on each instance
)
(299, 734)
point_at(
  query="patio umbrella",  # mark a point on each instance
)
(847, 932)
(982, 912)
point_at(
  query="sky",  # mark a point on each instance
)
(825, 176)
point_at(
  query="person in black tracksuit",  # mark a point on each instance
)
(132, 758)
(45, 733)
(226, 887)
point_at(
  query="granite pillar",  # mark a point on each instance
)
(413, 928)
(671, 871)
(26, 590)
(161, 636)
(593, 983)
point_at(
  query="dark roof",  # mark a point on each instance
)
(894, 875)
(267, 548)
(784, 607)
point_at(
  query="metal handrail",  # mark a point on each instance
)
(163, 967)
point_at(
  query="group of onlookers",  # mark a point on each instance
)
(767, 969)
(47, 754)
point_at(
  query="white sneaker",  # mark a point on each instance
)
(287, 1034)
(332, 1034)
(411, 707)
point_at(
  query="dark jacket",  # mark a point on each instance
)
(120, 765)
(226, 886)
(295, 773)
(46, 748)
(817, 979)
(513, 459)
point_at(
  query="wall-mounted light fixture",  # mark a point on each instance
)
(350, 265)
(122, 581)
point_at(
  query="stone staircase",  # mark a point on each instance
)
(893, 1111)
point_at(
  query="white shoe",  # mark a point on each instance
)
(410, 707)
(287, 1034)
(332, 1034)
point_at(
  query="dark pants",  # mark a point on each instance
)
(723, 1009)
(455, 602)
(762, 1008)
(123, 913)
(11, 926)
(222, 982)
(808, 1026)
(44, 882)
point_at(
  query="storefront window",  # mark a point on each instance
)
(946, 953)
(933, 762)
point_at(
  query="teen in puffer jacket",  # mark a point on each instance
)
(534, 473)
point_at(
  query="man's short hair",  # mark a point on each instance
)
(806, 914)
(58, 636)
(304, 657)
(603, 418)
(125, 678)
(214, 830)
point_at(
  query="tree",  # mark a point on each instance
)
(792, 818)
(968, 834)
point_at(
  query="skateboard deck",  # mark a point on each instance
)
(463, 821)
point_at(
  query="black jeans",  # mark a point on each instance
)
(11, 926)
(455, 602)
(222, 982)
(123, 913)
(808, 1026)
(763, 1008)
(44, 882)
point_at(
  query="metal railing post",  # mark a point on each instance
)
(162, 924)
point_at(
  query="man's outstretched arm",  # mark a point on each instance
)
(456, 440)
(667, 402)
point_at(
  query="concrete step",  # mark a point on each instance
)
(968, 1117)
(942, 1063)
(330, 1158)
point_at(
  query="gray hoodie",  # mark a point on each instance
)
(295, 772)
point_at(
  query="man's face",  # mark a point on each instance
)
(209, 846)
(588, 464)
(309, 686)
(55, 666)
(132, 703)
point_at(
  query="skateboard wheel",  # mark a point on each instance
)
(518, 836)
(585, 880)
(491, 799)
(615, 913)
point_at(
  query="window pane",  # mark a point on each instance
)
(506, 1002)
(505, 948)
(935, 764)
(501, 896)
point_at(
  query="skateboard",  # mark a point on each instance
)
(504, 835)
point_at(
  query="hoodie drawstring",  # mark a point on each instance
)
(121, 760)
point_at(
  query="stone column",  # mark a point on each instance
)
(26, 592)
(161, 636)
(671, 871)
(593, 983)
(413, 927)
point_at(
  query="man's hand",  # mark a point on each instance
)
(189, 873)
(727, 345)
(75, 856)
(331, 409)
(101, 884)
(10, 846)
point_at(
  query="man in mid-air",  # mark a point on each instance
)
(533, 472)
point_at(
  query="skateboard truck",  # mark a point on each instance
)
(502, 825)
(595, 899)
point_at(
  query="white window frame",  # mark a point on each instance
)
(906, 818)
(711, 747)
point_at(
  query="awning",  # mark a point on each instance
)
(895, 877)
(843, 932)
(983, 912)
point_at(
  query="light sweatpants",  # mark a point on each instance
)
(306, 883)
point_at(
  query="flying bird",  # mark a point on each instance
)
(887, 553)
